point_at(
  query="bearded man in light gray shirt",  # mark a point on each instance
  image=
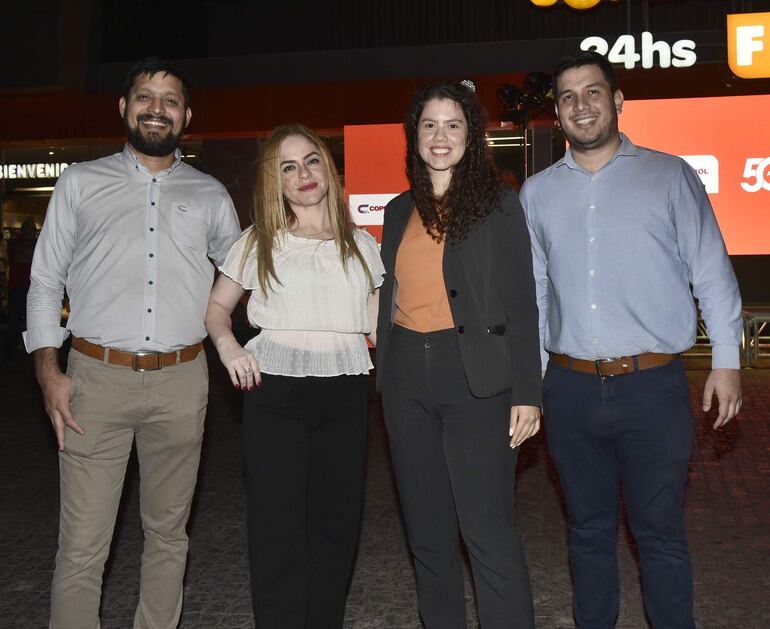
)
(622, 238)
(131, 236)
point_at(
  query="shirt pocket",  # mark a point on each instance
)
(189, 226)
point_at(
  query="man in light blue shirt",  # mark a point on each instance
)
(623, 237)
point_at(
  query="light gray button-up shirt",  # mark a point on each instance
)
(133, 250)
(616, 253)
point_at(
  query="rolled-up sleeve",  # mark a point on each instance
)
(51, 261)
(703, 251)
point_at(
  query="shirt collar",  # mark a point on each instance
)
(626, 149)
(133, 161)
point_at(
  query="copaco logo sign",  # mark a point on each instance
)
(575, 4)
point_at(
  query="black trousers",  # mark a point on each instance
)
(455, 472)
(304, 442)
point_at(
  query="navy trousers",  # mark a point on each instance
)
(634, 431)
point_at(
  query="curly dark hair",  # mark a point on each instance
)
(475, 188)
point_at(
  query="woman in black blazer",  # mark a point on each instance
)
(458, 361)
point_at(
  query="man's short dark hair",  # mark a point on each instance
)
(150, 66)
(586, 58)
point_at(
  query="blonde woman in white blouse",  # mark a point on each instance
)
(313, 280)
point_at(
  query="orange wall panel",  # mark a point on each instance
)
(732, 129)
(374, 159)
(30, 116)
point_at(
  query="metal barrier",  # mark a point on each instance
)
(758, 338)
(755, 341)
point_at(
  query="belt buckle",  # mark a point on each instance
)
(141, 354)
(597, 365)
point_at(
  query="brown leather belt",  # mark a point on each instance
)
(138, 361)
(605, 367)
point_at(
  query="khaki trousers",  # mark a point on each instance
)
(164, 411)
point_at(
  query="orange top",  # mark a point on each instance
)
(421, 301)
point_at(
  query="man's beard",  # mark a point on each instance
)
(603, 137)
(153, 144)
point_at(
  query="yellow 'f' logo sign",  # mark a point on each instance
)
(748, 45)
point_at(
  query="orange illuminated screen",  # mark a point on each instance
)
(732, 129)
(729, 132)
(374, 162)
(374, 158)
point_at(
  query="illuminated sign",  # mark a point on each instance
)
(680, 54)
(707, 167)
(734, 164)
(374, 171)
(575, 4)
(748, 45)
(369, 209)
(732, 160)
(758, 169)
(31, 171)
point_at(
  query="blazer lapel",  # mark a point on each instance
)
(402, 211)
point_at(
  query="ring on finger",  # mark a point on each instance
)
(247, 370)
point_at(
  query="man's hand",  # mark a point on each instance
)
(525, 422)
(726, 383)
(56, 393)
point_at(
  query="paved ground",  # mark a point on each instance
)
(728, 512)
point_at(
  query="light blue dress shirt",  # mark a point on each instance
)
(618, 255)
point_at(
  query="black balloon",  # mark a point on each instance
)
(520, 104)
(538, 82)
(509, 95)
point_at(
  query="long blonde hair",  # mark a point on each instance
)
(271, 212)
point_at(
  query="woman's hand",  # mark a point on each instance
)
(525, 422)
(240, 364)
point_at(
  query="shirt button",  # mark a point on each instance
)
(150, 282)
(154, 180)
(591, 207)
(453, 293)
(152, 229)
(146, 338)
(149, 309)
(591, 273)
(460, 329)
(152, 255)
(591, 239)
(593, 306)
(152, 202)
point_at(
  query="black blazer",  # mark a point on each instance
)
(491, 292)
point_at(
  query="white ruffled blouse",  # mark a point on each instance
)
(313, 323)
